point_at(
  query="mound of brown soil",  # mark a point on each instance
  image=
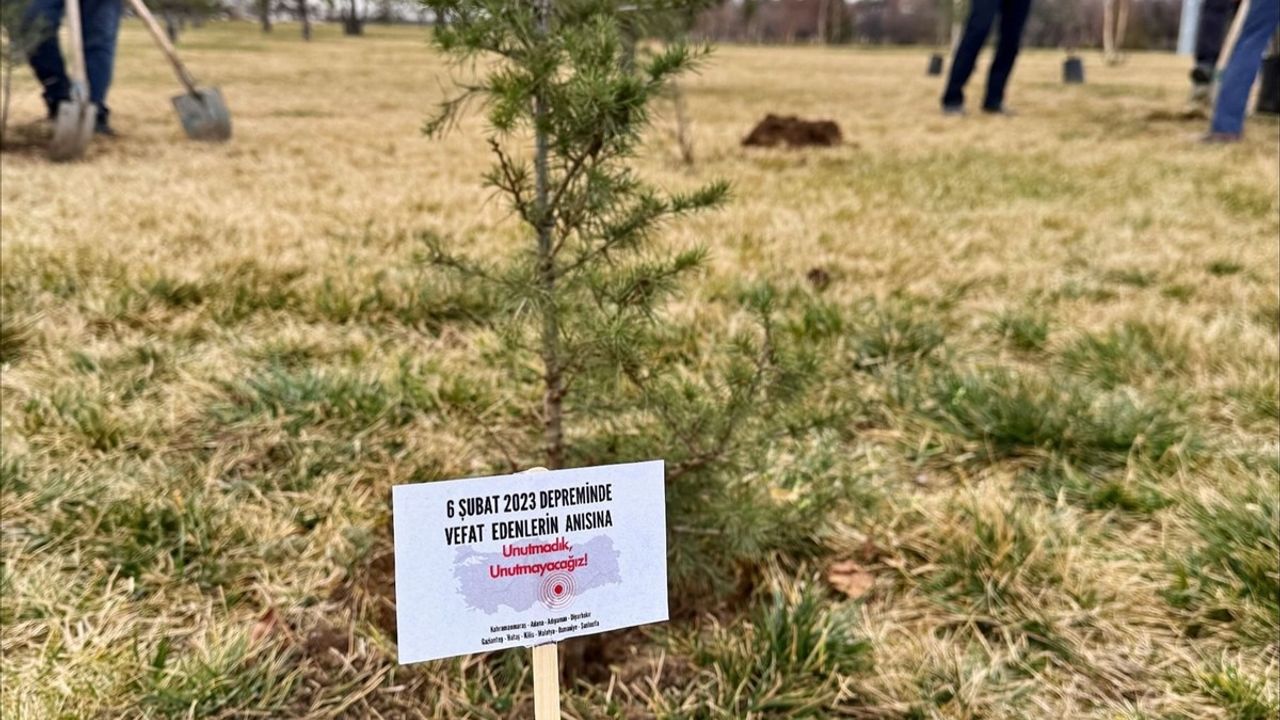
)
(793, 132)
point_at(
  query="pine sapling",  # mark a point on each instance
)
(593, 280)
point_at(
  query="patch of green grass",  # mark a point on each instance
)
(1224, 268)
(1133, 277)
(989, 556)
(1103, 491)
(1182, 292)
(1247, 201)
(152, 536)
(896, 332)
(1259, 400)
(427, 304)
(495, 686)
(128, 372)
(175, 293)
(1242, 697)
(1012, 413)
(312, 397)
(786, 659)
(247, 288)
(90, 418)
(218, 676)
(1129, 353)
(1023, 329)
(965, 685)
(1230, 574)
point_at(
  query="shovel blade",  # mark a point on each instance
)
(204, 115)
(72, 130)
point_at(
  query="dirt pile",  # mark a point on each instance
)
(793, 132)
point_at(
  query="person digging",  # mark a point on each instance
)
(101, 26)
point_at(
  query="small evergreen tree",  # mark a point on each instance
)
(593, 279)
(617, 377)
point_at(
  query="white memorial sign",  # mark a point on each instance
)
(527, 559)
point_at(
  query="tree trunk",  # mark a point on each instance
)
(352, 24)
(264, 15)
(553, 378)
(306, 20)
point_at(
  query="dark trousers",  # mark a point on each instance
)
(1211, 31)
(982, 15)
(100, 21)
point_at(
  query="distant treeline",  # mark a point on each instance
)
(1153, 24)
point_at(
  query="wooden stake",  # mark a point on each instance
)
(546, 682)
(546, 672)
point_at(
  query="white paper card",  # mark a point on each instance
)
(526, 559)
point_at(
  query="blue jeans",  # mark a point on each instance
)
(1242, 67)
(100, 21)
(982, 15)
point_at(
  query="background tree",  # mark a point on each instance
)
(176, 13)
(264, 8)
(352, 18)
(304, 16)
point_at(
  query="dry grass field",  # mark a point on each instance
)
(1049, 349)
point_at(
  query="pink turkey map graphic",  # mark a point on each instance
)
(551, 573)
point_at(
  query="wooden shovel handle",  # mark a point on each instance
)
(75, 41)
(163, 41)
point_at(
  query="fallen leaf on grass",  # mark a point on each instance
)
(266, 626)
(849, 578)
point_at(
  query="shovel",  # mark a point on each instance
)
(203, 114)
(73, 123)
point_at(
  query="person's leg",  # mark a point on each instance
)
(1013, 18)
(43, 17)
(1242, 67)
(982, 15)
(101, 26)
(1211, 31)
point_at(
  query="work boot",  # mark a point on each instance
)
(1221, 138)
(102, 126)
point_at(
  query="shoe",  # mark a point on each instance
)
(954, 110)
(1201, 95)
(1221, 138)
(103, 129)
